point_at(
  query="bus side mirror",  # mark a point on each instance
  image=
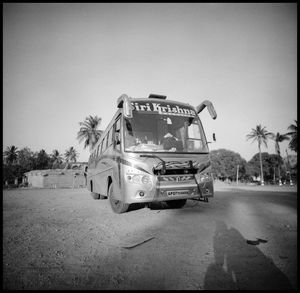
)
(210, 108)
(214, 137)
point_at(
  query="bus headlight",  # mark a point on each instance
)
(136, 179)
(139, 179)
(146, 179)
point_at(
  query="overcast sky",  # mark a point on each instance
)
(63, 62)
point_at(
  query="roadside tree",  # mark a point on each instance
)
(11, 154)
(89, 132)
(261, 135)
(56, 159)
(42, 160)
(293, 135)
(225, 163)
(269, 163)
(277, 139)
(70, 156)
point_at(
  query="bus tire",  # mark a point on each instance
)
(117, 206)
(175, 204)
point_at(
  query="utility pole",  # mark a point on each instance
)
(237, 175)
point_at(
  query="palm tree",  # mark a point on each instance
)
(277, 139)
(293, 134)
(89, 132)
(261, 135)
(56, 157)
(11, 154)
(70, 156)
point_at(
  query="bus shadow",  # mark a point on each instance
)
(151, 206)
(240, 266)
(160, 206)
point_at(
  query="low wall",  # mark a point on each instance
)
(56, 178)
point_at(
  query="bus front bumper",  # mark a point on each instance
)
(172, 191)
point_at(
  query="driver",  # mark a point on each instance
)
(170, 141)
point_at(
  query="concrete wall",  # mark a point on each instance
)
(56, 178)
(36, 180)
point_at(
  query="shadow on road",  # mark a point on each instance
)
(240, 266)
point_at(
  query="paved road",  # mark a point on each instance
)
(63, 239)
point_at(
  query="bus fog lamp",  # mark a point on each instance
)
(141, 193)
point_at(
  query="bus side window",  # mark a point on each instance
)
(104, 143)
(109, 142)
(117, 127)
(101, 147)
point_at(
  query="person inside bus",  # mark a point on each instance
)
(170, 141)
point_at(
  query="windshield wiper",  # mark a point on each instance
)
(163, 169)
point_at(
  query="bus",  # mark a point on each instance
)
(153, 150)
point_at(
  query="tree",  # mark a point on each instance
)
(269, 161)
(56, 158)
(224, 164)
(89, 132)
(11, 155)
(277, 139)
(293, 135)
(261, 135)
(70, 156)
(42, 160)
(16, 163)
(26, 159)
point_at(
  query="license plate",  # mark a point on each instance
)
(177, 192)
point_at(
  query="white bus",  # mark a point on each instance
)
(153, 150)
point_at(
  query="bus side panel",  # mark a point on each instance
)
(116, 174)
(100, 176)
(107, 171)
(116, 184)
(90, 174)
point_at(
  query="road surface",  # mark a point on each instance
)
(64, 239)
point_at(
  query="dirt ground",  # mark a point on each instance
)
(64, 239)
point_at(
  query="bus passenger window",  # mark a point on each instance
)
(101, 147)
(117, 136)
(110, 137)
(104, 143)
(117, 126)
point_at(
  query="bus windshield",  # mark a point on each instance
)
(150, 131)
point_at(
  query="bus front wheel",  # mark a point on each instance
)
(117, 206)
(175, 204)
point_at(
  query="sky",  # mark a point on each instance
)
(64, 62)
